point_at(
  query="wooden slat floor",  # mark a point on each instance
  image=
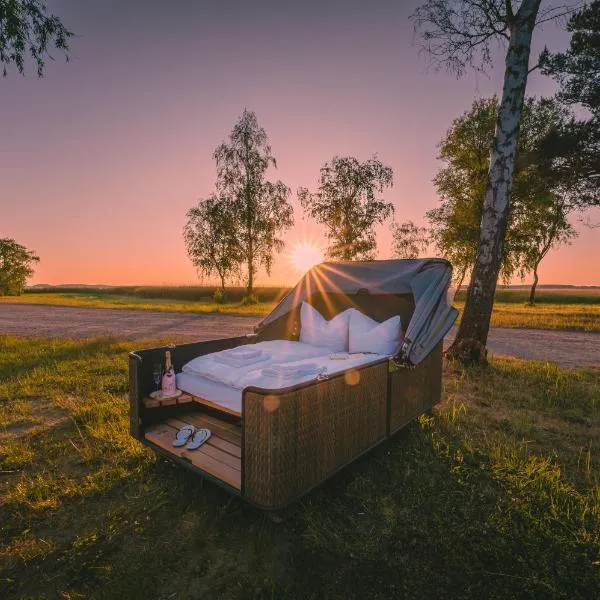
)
(220, 456)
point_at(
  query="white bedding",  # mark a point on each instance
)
(231, 397)
(219, 393)
(275, 351)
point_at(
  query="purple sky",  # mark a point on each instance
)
(102, 158)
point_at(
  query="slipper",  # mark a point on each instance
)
(183, 435)
(198, 439)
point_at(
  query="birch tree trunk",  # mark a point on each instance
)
(470, 343)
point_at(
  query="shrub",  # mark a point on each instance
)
(250, 299)
(220, 296)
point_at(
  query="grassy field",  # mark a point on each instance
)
(575, 310)
(495, 496)
(96, 300)
(188, 293)
(571, 317)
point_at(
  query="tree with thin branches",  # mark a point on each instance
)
(544, 194)
(260, 208)
(27, 29)
(211, 239)
(16, 266)
(458, 34)
(545, 226)
(346, 203)
(409, 240)
(577, 70)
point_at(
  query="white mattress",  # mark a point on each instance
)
(219, 393)
(231, 397)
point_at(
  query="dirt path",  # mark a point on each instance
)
(566, 348)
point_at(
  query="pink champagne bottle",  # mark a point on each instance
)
(169, 384)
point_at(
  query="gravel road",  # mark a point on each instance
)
(566, 348)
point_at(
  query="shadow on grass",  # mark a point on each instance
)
(419, 517)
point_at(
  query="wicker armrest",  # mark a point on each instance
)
(296, 437)
(415, 389)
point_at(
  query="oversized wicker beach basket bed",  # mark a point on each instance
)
(278, 444)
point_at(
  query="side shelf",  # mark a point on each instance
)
(186, 398)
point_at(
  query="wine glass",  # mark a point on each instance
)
(157, 375)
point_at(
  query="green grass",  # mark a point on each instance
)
(189, 293)
(495, 496)
(570, 317)
(555, 310)
(546, 295)
(101, 300)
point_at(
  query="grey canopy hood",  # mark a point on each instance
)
(428, 280)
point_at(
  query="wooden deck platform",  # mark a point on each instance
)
(220, 456)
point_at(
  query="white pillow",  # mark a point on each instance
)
(318, 331)
(367, 335)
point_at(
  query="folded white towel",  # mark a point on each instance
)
(241, 361)
(278, 351)
(243, 351)
(291, 370)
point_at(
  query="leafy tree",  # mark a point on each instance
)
(16, 266)
(544, 226)
(25, 27)
(260, 208)
(346, 204)
(541, 197)
(458, 34)
(578, 69)
(578, 72)
(409, 240)
(461, 185)
(211, 239)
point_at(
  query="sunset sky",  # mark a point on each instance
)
(101, 159)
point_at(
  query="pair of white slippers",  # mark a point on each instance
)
(190, 437)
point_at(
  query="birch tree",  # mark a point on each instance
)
(27, 29)
(211, 239)
(545, 226)
(543, 195)
(459, 34)
(346, 203)
(261, 208)
(409, 240)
